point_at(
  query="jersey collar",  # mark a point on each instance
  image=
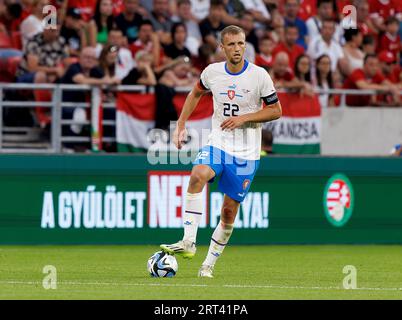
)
(238, 73)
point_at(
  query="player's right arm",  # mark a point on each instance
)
(179, 134)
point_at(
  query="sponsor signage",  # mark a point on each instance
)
(125, 200)
(111, 208)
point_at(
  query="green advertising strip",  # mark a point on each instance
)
(129, 199)
(296, 149)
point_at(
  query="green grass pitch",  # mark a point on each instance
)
(243, 272)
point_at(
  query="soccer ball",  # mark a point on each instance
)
(162, 264)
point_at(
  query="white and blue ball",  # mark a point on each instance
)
(162, 265)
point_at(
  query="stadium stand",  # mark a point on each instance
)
(144, 43)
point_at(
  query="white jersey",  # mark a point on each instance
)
(235, 95)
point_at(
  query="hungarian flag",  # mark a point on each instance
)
(135, 119)
(298, 131)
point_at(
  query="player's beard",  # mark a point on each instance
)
(236, 62)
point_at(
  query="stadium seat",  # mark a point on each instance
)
(12, 65)
(3, 73)
(5, 41)
(8, 68)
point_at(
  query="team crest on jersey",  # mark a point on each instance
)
(245, 184)
(231, 94)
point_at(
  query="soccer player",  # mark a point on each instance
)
(233, 149)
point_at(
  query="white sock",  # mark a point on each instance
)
(219, 239)
(192, 215)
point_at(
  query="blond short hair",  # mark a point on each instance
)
(231, 30)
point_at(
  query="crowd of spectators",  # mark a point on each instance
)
(302, 43)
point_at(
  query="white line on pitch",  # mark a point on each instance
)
(74, 283)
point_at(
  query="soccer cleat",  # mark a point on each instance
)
(184, 248)
(206, 271)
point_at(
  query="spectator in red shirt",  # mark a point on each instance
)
(339, 5)
(12, 13)
(283, 76)
(289, 46)
(390, 40)
(364, 24)
(10, 42)
(380, 10)
(390, 70)
(118, 7)
(86, 8)
(281, 71)
(369, 78)
(264, 58)
(148, 40)
(308, 8)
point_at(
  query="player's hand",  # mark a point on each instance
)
(179, 136)
(232, 123)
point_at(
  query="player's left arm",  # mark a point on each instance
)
(272, 111)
